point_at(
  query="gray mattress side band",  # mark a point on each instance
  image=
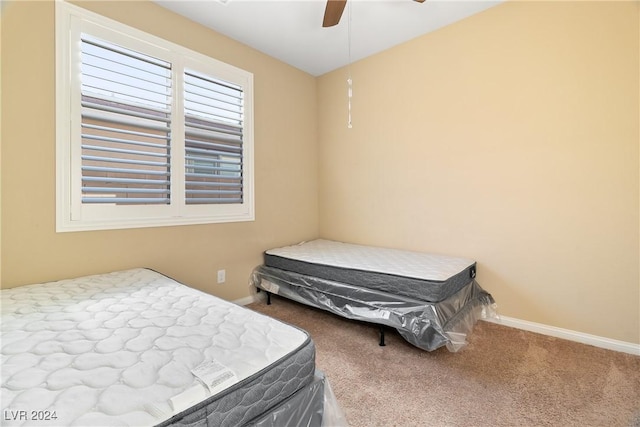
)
(423, 290)
(256, 395)
(304, 408)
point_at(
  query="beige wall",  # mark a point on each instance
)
(512, 138)
(285, 157)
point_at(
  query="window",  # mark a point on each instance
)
(148, 133)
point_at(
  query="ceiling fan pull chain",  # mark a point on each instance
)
(349, 81)
(350, 94)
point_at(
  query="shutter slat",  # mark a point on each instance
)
(124, 189)
(217, 152)
(208, 83)
(215, 184)
(138, 84)
(205, 85)
(127, 200)
(216, 172)
(213, 201)
(107, 170)
(125, 161)
(129, 94)
(205, 97)
(106, 46)
(114, 121)
(213, 147)
(214, 192)
(118, 68)
(220, 114)
(111, 180)
(125, 132)
(211, 125)
(161, 117)
(124, 151)
(221, 105)
(195, 175)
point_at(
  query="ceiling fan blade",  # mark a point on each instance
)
(333, 12)
(419, 1)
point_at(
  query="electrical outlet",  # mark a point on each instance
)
(222, 276)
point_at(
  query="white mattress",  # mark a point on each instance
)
(416, 265)
(119, 349)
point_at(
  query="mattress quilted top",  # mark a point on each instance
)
(122, 348)
(397, 262)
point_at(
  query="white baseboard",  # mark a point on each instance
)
(552, 331)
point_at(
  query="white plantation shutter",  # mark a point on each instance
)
(126, 119)
(213, 140)
(149, 133)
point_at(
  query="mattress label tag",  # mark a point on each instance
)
(214, 375)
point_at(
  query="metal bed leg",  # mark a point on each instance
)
(382, 344)
(266, 292)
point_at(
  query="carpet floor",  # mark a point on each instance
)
(504, 377)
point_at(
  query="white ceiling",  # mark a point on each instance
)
(291, 30)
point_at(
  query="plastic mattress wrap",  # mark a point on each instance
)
(312, 406)
(426, 325)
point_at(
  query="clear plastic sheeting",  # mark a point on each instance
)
(312, 406)
(426, 325)
(333, 415)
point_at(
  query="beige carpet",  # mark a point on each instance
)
(504, 377)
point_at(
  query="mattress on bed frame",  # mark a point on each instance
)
(417, 275)
(426, 325)
(137, 348)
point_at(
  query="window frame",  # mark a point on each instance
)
(71, 213)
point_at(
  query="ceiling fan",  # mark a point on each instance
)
(333, 12)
